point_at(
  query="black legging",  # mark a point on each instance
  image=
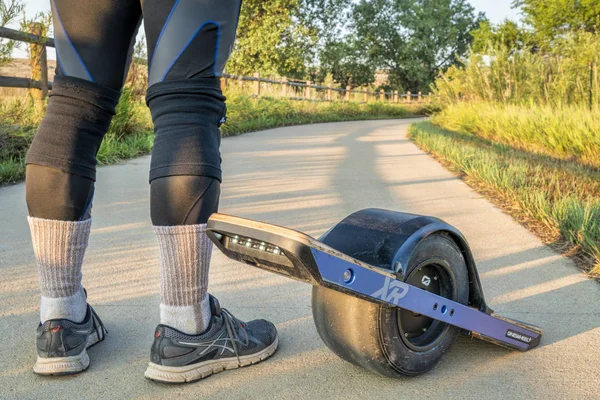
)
(189, 42)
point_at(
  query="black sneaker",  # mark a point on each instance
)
(62, 344)
(228, 343)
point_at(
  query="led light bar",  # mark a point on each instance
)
(254, 244)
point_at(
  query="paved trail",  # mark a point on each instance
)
(307, 178)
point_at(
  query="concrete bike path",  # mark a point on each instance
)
(307, 178)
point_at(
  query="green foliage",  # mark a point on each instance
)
(18, 122)
(553, 19)
(414, 39)
(130, 133)
(346, 63)
(131, 116)
(9, 10)
(279, 37)
(561, 76)
(508, 34)
(559, 200)
(114, 150)
(245, 113)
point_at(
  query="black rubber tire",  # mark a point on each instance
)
(367, 334)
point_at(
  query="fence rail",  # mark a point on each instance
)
(290, 88)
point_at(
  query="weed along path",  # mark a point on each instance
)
(308, 178)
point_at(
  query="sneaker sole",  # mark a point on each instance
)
(66, 365)
(195, 372)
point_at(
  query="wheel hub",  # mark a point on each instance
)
(417, 331)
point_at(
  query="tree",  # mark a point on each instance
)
(553, 19)
(508, 34)
(414, 39)
(8, 12)
(346, 63)
(280, 37)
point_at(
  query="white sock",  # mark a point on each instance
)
(185, 253)
(73, 307)
(59, 248)
(188, 319)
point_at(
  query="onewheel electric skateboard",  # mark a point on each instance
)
(412, 276)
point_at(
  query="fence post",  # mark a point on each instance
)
(257, 84)
(408, 97)
(366, 96)
(284, 87)
(420, 98)
(381, 94)
(348, 92)
(395, 96)
(223, 83)
(329, 92)
(307, 88)
(39, 66)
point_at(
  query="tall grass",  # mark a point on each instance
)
(18, 122)
(565, 132)
(523, 127)
(558, 199)
(559, 76)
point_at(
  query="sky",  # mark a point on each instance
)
(495, 10)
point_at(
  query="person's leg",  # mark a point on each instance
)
(93, 43)
(181, 205)
(189, 42)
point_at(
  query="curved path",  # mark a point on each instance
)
(308, 178)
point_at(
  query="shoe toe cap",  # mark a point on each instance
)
(263, 330)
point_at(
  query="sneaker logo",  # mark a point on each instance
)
(157, 334)
(392, 291)
(221, 342)
(56, 329)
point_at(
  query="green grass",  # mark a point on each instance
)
(131, 134)
(558, 199)
(568, 133)
(245, 114)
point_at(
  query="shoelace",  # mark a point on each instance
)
(100, 324)
(95, 318)
(231, 323)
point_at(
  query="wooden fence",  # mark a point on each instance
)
(288, 88)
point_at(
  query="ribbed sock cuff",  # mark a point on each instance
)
(59, 248)
(184, 253)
